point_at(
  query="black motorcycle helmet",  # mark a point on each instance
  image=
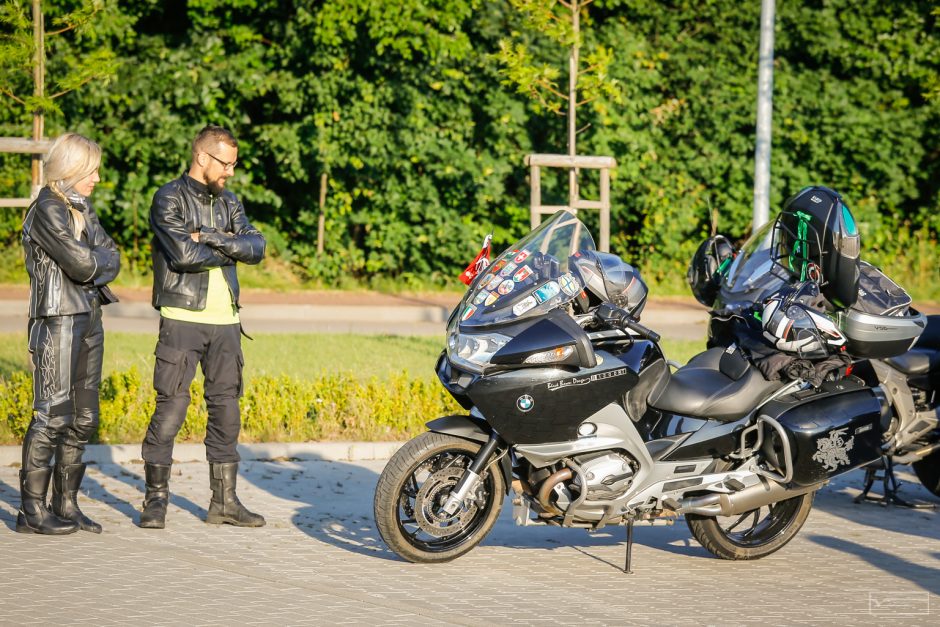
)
(815, 238)
(709, 263)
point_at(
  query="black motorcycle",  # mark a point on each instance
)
(881, 328)
(571, 406)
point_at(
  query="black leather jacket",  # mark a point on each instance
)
(180, 265)
(63, 271)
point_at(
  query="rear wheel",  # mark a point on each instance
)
(928, 471)
(754, 534)
(413, 488)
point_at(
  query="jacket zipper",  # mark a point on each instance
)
(231, 294)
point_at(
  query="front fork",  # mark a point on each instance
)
(471, 476)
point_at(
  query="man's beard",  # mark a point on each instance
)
(216, 186)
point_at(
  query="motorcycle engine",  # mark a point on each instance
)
(608, 476)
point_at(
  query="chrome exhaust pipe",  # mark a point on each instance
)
(917, 455)
(750, 498)
(709, 505)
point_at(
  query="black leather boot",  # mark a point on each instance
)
(157, 478)
(34, 515)
(225, 506)
(65, 484)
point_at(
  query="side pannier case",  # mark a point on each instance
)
(830, 430)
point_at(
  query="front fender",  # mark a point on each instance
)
(468, 428)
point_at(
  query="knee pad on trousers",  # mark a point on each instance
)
(39, 446)
(167, 421)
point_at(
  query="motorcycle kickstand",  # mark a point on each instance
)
(626, 568)
(890, 486)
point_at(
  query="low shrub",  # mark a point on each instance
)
(274, 409)
(16, 400)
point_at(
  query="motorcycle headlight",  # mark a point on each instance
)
(473, 352)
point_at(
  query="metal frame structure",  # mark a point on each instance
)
(572, 163)
(34, 147)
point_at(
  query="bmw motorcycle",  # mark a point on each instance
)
(897, 349)
(571, 407)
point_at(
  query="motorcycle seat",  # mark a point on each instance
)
(702, 389)
(930, 338)
(916, 361)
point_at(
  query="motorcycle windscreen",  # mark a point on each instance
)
(529, 278)
(754, 275)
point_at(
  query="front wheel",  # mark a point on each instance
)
(413, 488)
(754, 534)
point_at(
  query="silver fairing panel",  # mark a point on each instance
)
(615, 431)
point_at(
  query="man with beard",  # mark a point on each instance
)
(200, 233)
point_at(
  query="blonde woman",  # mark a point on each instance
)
(70, 260)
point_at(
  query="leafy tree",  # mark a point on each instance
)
(404, 105)
(83, 58)
(75, 52)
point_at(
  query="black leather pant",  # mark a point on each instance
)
(181, 347)
(66, 353)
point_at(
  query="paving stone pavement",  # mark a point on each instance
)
(320, 561)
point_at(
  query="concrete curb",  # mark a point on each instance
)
(301, 451)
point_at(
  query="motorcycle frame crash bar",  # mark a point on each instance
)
(746, 451)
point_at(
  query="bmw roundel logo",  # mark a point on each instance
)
(525, 403)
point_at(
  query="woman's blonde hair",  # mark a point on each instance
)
(71, 158)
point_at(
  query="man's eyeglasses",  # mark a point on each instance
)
(225, 164)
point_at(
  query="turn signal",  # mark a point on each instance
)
(552, 356)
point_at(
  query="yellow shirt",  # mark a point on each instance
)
(219, 306)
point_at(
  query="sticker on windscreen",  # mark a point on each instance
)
(508, 270)
(469, 311)
(547, 291)
(524, 305)
(568, 284)
(524, 273)
(505, 287)
(522, 256)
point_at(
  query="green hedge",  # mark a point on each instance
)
(332, 407)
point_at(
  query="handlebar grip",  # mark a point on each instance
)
(615, 316)
(649, 334)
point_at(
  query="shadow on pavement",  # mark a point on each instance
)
(95, 490)
(11, 496)
(675, 539)
(921, 576)
(838, 500)
(329, 501)
(120, 473)
(332, 502)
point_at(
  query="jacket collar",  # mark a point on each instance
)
(200, 189)
(77, 200)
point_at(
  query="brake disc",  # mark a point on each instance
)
(429, 504)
